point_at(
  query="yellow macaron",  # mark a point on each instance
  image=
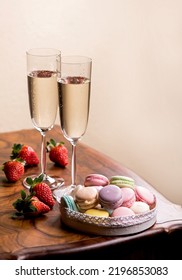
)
(97, 212)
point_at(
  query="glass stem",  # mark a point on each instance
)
(73, 165)
(43, 154)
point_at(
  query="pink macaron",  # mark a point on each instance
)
(110, 197)
(96, 180)
(145, 195)
(128, 197)
(122, 212)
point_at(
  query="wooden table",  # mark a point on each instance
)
(46, 238)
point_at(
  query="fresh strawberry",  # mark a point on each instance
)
(58, 153)
(13, 169)
(41, 190)
(29, 206)
(40, 206)
(26, 153)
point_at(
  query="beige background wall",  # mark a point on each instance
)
(136, 102)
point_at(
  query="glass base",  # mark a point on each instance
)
(54, 183)
(64, 190)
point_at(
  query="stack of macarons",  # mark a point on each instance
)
(86, 198)
(114, 197)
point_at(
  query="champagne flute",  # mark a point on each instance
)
(74, 83)
(42, 71)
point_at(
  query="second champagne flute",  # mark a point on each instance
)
(42, 71)
(74, 86)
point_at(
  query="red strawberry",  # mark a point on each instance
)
(26, 153)
(58, 153)
(41, 190)
(29, 206)
(40, 206)
(13, 169)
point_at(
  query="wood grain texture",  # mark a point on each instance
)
(46, 238)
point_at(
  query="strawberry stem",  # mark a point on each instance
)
(15, 150)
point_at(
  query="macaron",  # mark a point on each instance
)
(139, 207)
(122, 212)
(74, 191)
(128, 197)
(96, 180)
(122, 181)
(145, 195)
(97, 212)
(69, 202)
(86, 198)
(110, 197)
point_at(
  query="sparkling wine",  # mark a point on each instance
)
(43, 98)
(74, 99)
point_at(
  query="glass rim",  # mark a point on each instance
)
(75, 59)
(43, 52)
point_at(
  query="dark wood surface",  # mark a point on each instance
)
(46, 238)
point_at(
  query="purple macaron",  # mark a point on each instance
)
(110, 197)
